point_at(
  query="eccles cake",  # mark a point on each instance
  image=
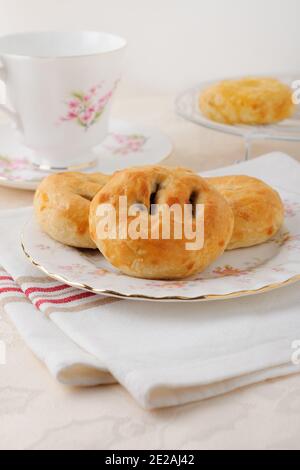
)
(252, 101)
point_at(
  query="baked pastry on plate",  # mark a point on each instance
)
(161, 258)
(62, 203)
(257, 208)
(254, 101)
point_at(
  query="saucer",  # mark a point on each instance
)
(127, 144)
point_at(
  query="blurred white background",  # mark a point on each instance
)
(176, 43)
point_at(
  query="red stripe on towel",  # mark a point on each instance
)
(31, 290)
(6, 278)
(10, 289)
(65, 300)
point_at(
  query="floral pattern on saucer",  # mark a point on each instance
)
(236, 273)
(13, 169)
(122, 144)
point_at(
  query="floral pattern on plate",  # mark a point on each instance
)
(291, 208)
(236, 273)
(228, 270)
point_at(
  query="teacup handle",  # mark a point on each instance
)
(12, 115)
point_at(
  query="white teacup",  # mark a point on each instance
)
(59, 92)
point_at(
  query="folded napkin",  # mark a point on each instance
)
(164, 354)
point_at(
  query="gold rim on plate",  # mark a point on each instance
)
(122, 295)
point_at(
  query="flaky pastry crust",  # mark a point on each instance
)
(257, 208)
(163, 258)
(253, 101)
(62, 203)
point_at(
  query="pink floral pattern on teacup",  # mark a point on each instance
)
(86, 107)
(124, 144)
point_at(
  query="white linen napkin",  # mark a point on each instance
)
(164, 354)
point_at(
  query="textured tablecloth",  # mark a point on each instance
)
(37, 413)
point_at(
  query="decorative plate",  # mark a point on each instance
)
(187, 106)
(237, 273)
(127, 144)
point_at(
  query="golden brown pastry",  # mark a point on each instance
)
(257, 208)
(162, 258)
(247, 101)
(62, 203)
